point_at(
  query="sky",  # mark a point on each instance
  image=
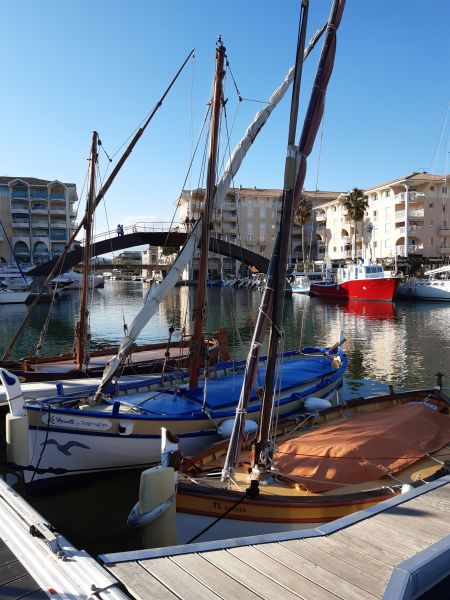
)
(71, 67)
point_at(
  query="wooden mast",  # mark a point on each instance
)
(281, 250)
(200, 307)
(82, 325)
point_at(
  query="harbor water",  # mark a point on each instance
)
(403, 344)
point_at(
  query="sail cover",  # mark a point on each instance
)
(363, 448)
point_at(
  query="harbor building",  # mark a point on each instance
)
(249, 217)
(406, 217)
(38, 217)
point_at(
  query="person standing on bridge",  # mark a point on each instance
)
(119, 230)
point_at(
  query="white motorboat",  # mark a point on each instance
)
(435, 287)
(72, 281)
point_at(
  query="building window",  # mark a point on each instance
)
(386, 228)
(444, 189)
(375, 244)
(431, 205)
(431, 188)
(262, 212)
(375, 216)
(431, 241)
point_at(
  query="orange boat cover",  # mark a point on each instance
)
(364, 447)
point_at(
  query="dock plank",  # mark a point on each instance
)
(351, 556)
(291, 579)
(177, 580)
(424, 525)
(398, 543)
(213, 578)
(364, 545)
(320, 573)
(258, 582)
(140, 583)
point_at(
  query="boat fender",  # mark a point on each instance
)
(406, 487)
(14, 393)
(59, 389)
(315, 404)
(125, 428)
(336, 362)
(115, 408)
(226, 427)
(136, 519)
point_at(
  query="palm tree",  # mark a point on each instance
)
(302, 216)
(355, 203)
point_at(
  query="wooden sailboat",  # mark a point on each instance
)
(322, 465)
(58, 437)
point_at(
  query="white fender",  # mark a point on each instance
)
(14, 393)
(17, 432)
(314, 404)
(226, 427)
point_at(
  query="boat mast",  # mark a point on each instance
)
(266, 310)
(200, 308)
(281, 251)
(82, 332)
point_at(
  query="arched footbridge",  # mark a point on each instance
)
(111, 242)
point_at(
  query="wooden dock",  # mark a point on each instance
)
(398, 549)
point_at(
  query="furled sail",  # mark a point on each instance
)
(157, 293)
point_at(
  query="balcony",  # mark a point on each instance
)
(20, 193)
(444, 249)
(20, 223)
(410, 196)
(321, 217)
(416, 214)
(412, 215)
(58, 196)
(38, 195)
(346, 239)
(347, 253)
(39, 210)
(58, 224)
(321, 225)
(57, 211)
(58, 236)
(444, 230)
(21, 209)
(412, 249)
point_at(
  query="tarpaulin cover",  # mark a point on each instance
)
(364, 447)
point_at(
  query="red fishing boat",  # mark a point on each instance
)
(357, 282)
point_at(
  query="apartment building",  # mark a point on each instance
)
(250, 217)
(408, 216)
(37, 215)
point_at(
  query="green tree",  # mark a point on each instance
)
(302, 216)
(168, 250)
(355, 203)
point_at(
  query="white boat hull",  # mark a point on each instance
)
(437, 290)
(10, 297)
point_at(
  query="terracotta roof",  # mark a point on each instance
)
(4, 179)
(417, 177)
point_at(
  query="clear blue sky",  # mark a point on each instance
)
(70, 67)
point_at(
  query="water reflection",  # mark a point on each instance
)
(404, 344)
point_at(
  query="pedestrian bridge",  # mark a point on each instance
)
(149, 234)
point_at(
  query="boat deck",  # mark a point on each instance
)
(398, 549)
